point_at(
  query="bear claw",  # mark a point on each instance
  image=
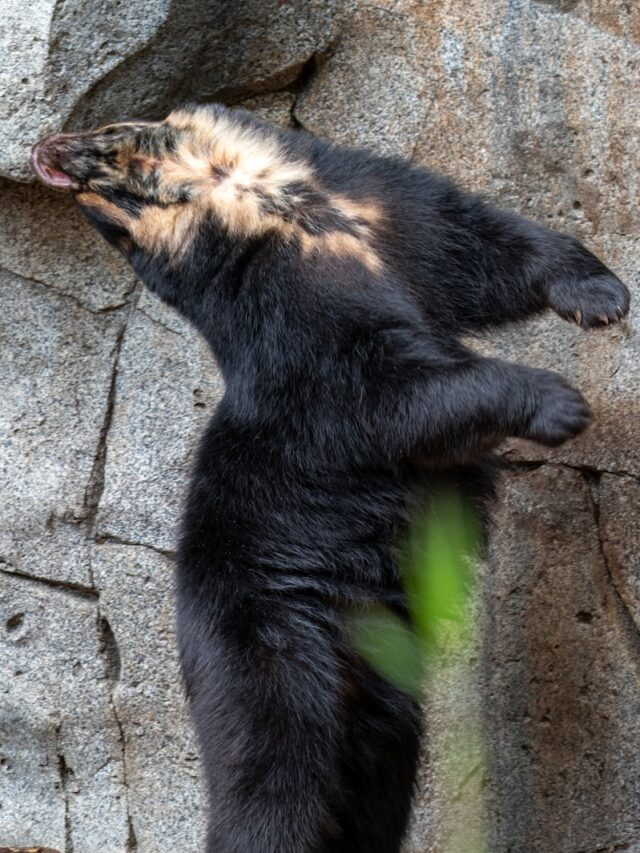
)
(590, 302)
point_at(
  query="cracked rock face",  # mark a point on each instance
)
(61, 777)
(161, 772)
(564, 685)
(103, 393)
(51, 421)
(166, 389)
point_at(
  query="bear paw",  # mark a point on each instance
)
(560, 411)
(590, 302)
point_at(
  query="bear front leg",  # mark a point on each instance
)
(514, 268)
(468, 411)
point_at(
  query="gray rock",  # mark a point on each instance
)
(372, 89)
(24, 32)
(276, 108)
(56, 378)
(61, 771)
(44, 237)
(167, 386)
(562, 690)
(164, 788)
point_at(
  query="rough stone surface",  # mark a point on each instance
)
(164, 791)
(61, 779)
(44, 237)
(55, 379)
(276, 108)
(166, 388)
(563, 674)
(104, 393)
(372, 91)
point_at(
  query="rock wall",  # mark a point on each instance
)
(104, 392)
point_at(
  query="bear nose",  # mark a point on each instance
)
(49, 159)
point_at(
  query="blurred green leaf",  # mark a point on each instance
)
(437, 576)
(437, 571)
(390, 647)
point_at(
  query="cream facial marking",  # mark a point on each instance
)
(235, 167)
(245, 179)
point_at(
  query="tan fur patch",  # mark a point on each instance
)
(342, 245)
(158, 229)
(235, 167)
(368, 212)
(168, 229)
(230, 163)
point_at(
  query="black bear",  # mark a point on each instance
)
(333, 287)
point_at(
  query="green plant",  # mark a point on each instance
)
(429, 657)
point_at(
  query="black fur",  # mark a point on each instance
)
(348, 396)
